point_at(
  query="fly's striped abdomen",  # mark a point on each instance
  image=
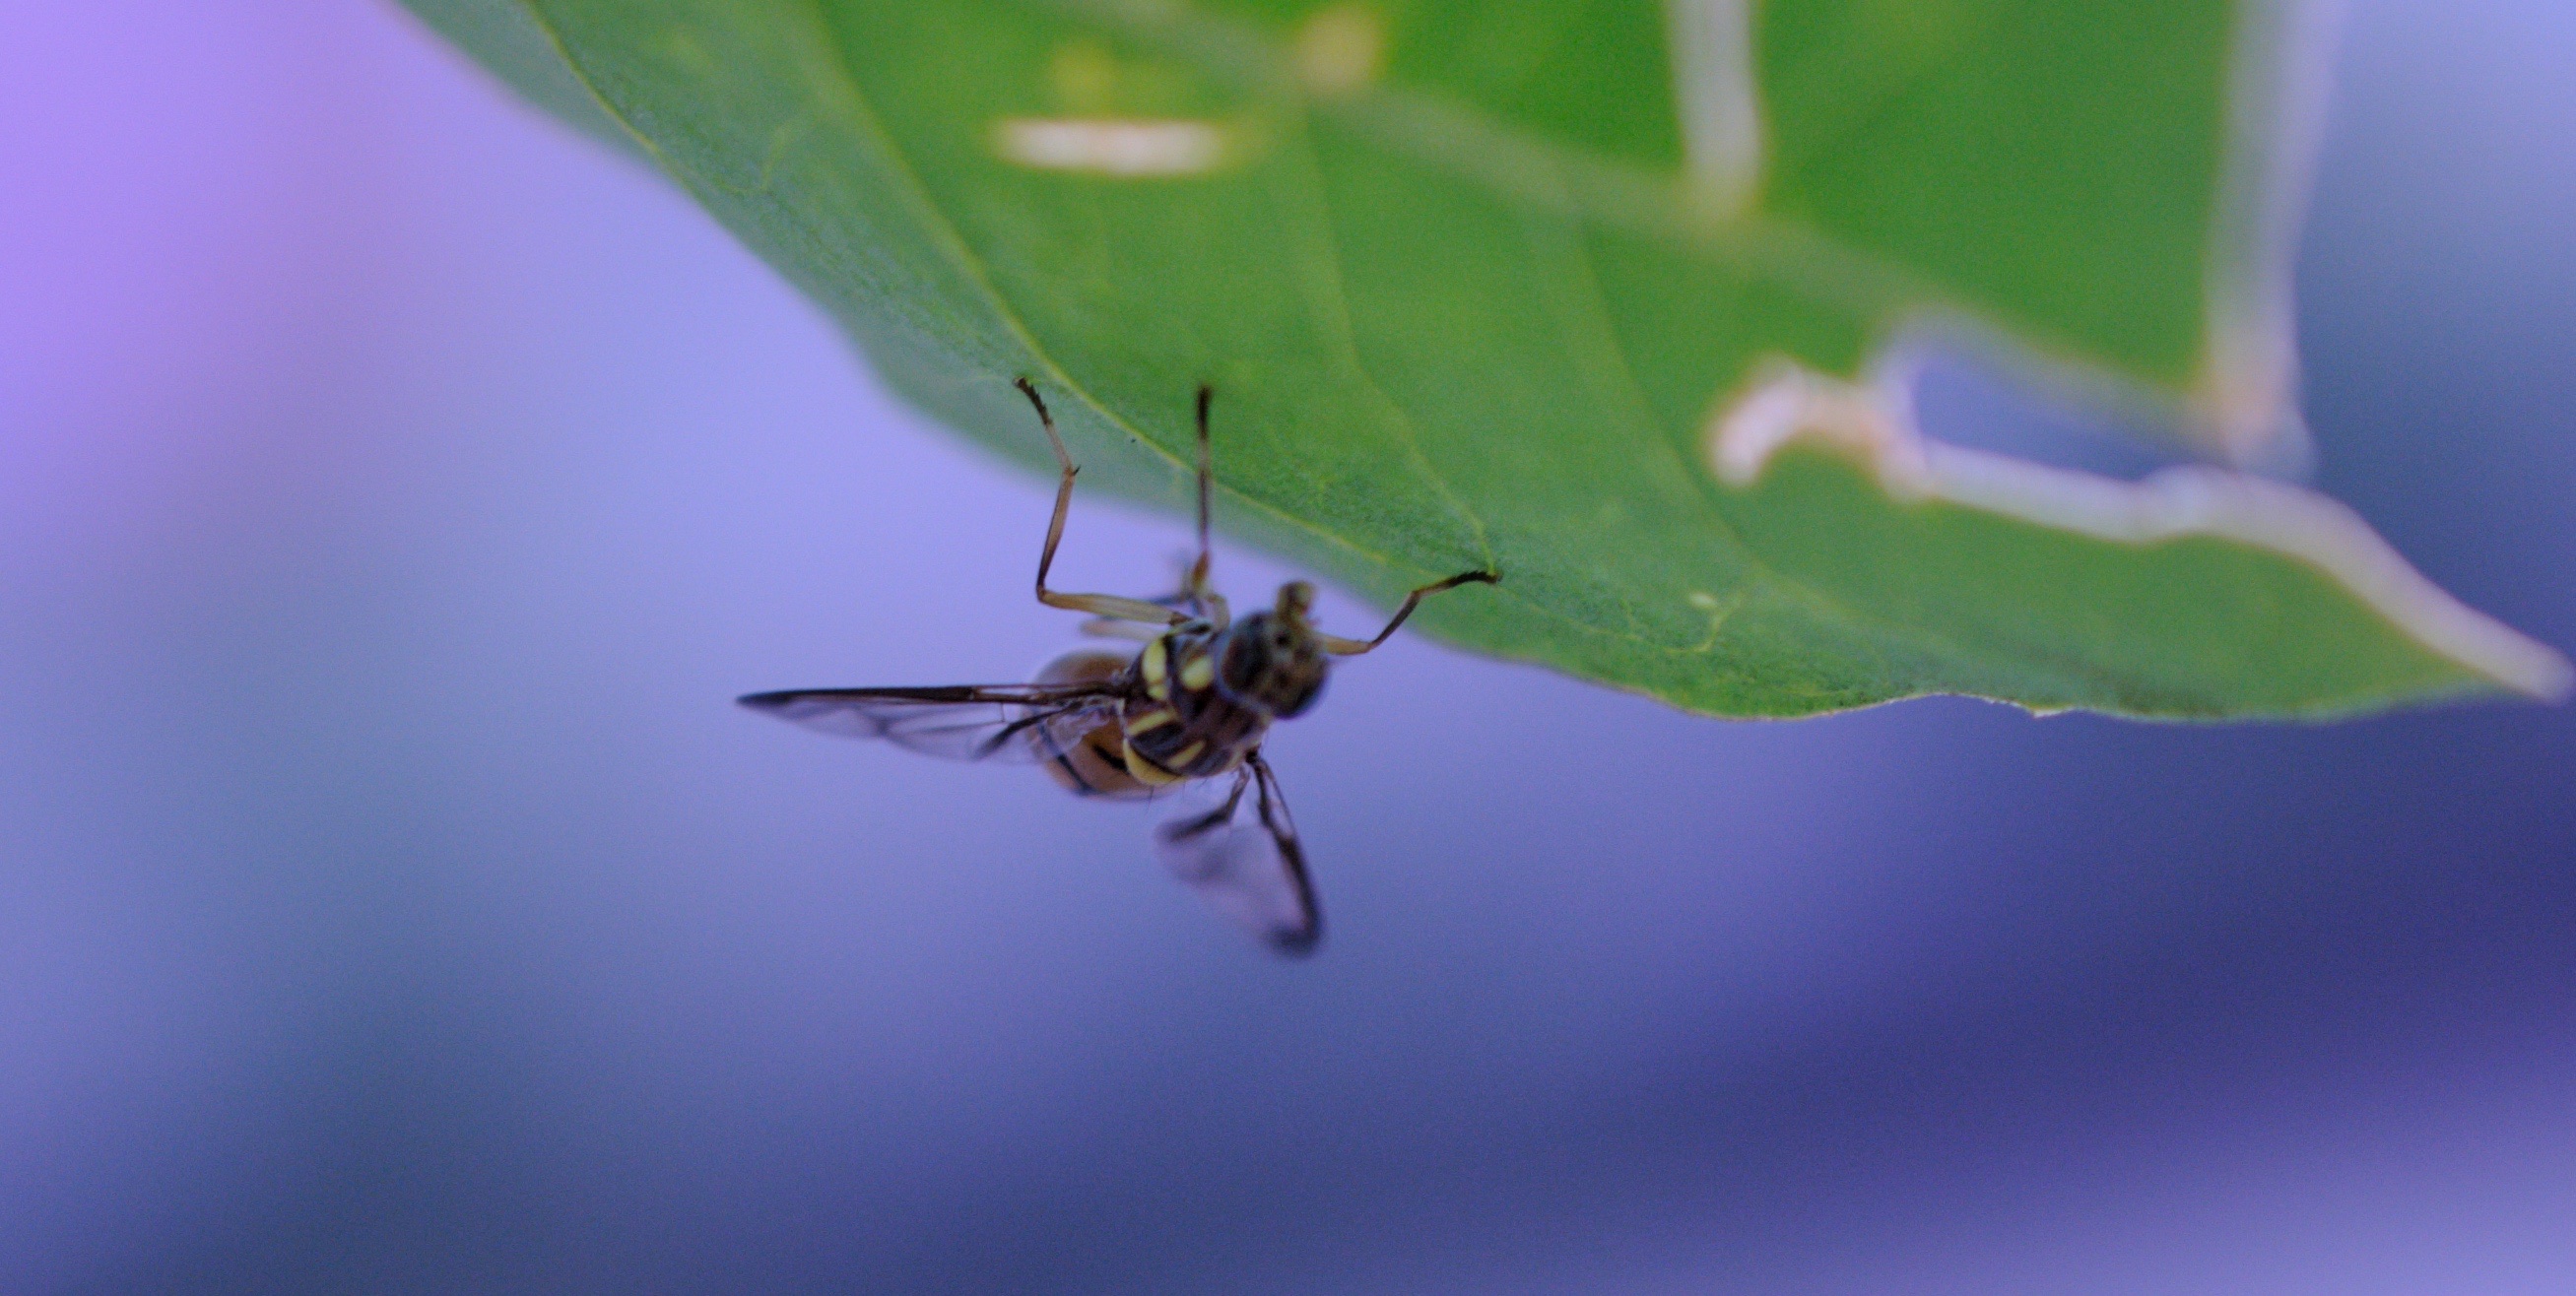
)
(1177, 725)
(1092, 762)
(1096, 765)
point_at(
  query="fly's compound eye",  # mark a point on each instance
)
(1269, 667)
(1298, 694)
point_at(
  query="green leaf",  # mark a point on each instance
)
(509, 41)
(1602, 294)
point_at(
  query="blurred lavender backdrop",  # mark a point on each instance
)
(393, 489)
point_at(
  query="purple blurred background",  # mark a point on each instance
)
(394, 488)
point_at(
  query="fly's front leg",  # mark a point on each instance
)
(1341, 647)
(1108, 606)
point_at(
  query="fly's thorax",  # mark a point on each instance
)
(1179, 665)
(1179, 723)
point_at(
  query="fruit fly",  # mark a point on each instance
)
(1191, 706)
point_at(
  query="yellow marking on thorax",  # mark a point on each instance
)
(1186, 755)
(1155, 666)
(1198, 672)
(1154, 719)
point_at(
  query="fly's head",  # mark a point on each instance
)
(1272, 661)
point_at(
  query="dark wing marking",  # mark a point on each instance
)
(1243, 858)
(957, 721)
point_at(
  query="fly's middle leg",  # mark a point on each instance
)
(1108, 606)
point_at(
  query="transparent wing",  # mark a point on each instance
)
(1012, 722)
(1242, 857)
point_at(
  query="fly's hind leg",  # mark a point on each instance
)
(1109, 607)
(1341, 647)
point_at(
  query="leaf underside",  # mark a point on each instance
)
(1475, 284)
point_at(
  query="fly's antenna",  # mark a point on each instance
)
(1296, 602)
